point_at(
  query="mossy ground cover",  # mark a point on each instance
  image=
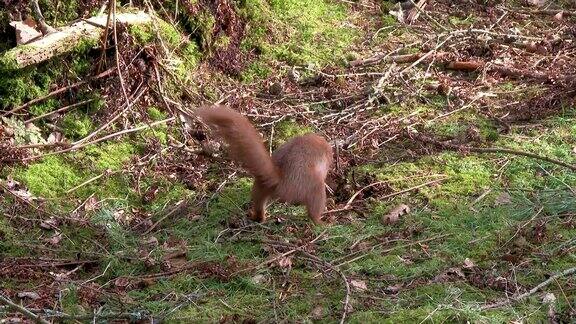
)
(491, 226)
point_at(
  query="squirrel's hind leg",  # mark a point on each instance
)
(316, 205)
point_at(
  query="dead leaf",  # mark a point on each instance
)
(55, 239)
(150, 194)
(121, 216)
(393, 290)
(448, 275)
(559, 16)
(55, 137)
(121, 282)
(512, 258)
(90, 204)
(394, 215)
(285, 262)
(24, 194)
(50, 223)
(150, 242)
(358, 285)
(258, 279)
(317, 312)
(536, 3)
(175, 260)
(468, 264)
(28, 294)
(503, 199)
(147, 282)
(30, 22)
(549, 298)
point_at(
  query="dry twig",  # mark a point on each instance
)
(24, 311)
(58, 91)
(532, 291)
(462, 148)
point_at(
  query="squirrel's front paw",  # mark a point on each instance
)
(257, 217)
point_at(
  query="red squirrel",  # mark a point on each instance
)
(295, 173)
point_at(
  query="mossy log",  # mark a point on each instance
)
(66, 39)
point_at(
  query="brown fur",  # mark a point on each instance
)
(294, 174)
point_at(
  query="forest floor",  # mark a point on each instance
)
(436, 212)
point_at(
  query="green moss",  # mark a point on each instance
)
(23, 85)
(76, 125)
(231, 200)
(5, 43)
(203, 25)
(20, 85)
(255, 70)
(8, 61)
(169, 34)
(159, 132)
(191, 55)
(468, 175)
(143, 33)
(119, 238)
(69, 300)
(6, 231)
(155, 114)
(289, 128)
(48, 178)
(222, 42)
(507, 86)
(389, 20)
(169, 193)
(58, 13)
(296, 32)
(449, 130)
(44, 107)
(110, 156)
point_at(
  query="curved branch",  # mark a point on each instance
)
(454, 147)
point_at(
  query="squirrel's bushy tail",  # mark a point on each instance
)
(246, 145)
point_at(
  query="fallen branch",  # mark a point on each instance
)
(66, 40)
(104, 38)
(47, 263)
(174, 210)
(113, 119)
(283, 255)
(532, 291)
(22, 310)
(65, 108)
(349, 207)
(454, 147)
(104, 138)
(58, 91)
(359, 254)
(353, 197)
(105, 173)
(503, 70)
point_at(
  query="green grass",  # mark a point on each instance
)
(479, 230)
